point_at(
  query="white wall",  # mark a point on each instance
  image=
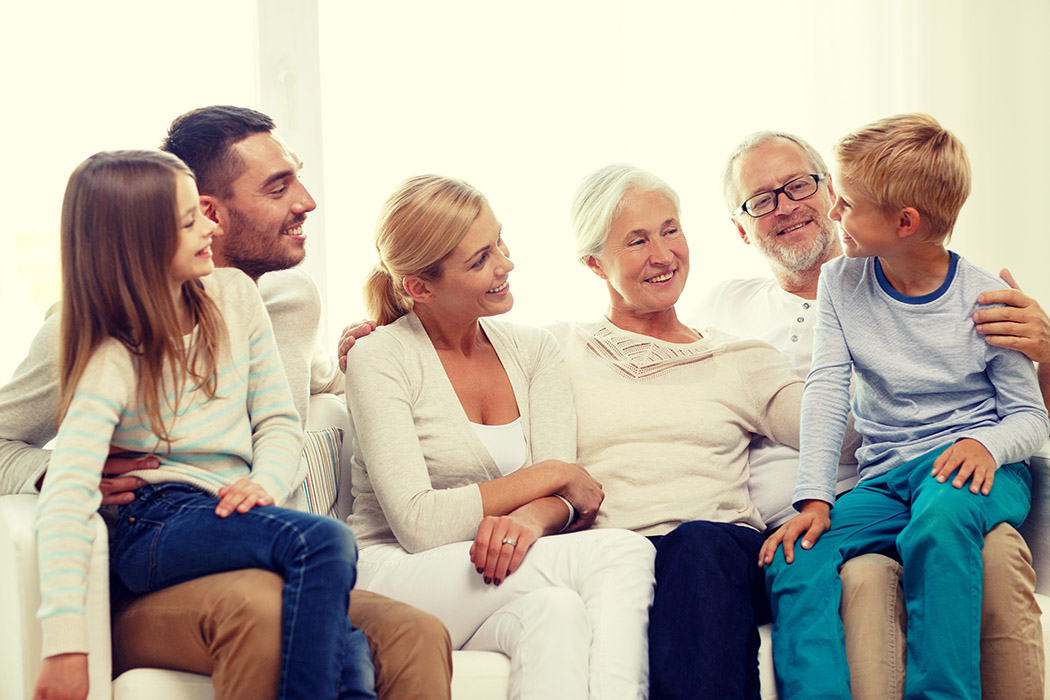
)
(523, 100)
(80, 77)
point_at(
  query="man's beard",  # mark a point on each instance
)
(255, 251)
(799, 259)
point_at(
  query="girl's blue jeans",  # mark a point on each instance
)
(937, 532)
(170, 534)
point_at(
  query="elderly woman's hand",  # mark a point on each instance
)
(581, 490)
(501, 544)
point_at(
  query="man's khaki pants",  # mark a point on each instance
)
(228, 626)
(1012, 663)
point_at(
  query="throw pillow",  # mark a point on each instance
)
(321, 450)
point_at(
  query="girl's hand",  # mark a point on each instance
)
(970, 457)
(62, 677)
(242, 496)
(501, 544)
(811, 523)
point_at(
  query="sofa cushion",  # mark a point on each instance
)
(321, 450)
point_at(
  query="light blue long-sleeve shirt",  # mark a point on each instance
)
(924, 376)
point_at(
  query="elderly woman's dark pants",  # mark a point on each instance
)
(703, 626)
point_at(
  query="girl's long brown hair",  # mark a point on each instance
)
(119, 233)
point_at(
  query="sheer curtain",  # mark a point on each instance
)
(524, 100)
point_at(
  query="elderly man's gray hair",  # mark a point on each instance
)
(759, 138)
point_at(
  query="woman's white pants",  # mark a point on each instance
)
(573, 618)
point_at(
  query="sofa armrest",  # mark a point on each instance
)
(20, 598)
(1036, 529)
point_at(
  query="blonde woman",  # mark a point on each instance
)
(464, 463)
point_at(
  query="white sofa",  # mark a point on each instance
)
(476, 675)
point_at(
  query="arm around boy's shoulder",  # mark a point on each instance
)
(1023, 423)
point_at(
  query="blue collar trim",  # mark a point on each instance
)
(925, 298)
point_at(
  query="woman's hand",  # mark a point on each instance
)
(811, 523)
(501, 544)
(242, 496)
(971, 458)
(581, 490)
(62, 677)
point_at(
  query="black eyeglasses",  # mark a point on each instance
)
(765, 202)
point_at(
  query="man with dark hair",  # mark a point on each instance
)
(248, 178)
(203, 139)
(228, 625)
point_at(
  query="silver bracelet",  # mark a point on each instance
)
(572, 512)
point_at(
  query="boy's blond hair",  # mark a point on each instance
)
(909, 160)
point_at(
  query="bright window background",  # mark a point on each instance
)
(81, 77)
(523, 101)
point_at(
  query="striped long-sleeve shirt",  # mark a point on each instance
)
(924, 377)
(249, 430)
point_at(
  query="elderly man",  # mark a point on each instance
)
(229, 625)
(792, 231)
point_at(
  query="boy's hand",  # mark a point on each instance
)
(811, 523)
(242, 496)
(62, 677)
(971, 458)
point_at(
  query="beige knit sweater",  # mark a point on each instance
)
(665, 427)
(417, 460)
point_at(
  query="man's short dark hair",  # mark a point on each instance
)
(204, 138)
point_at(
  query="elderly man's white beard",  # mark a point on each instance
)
(800, 259)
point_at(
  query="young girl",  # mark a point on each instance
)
(160, 357)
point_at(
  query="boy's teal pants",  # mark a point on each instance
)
(937, 532)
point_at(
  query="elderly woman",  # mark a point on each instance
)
(464, 463)
(665, 415)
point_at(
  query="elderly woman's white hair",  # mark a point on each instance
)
(600, 197)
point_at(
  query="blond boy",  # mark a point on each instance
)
(933, 402)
